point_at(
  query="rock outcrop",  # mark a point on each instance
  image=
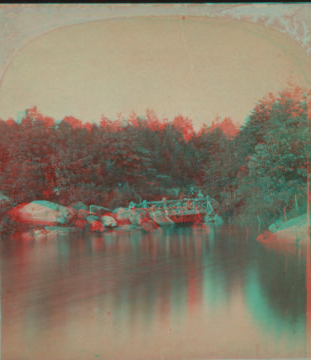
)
(41, 212)
(293, 231)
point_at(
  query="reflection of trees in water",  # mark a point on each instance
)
(144, 278)
(278, 328)
(283, 279)
(161, 273)
(229, 256)
(165, 269)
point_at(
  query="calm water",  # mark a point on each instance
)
(185, 293)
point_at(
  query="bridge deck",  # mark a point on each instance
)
(178, 207)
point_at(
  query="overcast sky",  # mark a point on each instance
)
(200, 67)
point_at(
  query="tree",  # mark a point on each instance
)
(277, 167)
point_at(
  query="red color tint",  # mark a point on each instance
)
(226, 125)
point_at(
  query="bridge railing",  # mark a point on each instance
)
(171, 204)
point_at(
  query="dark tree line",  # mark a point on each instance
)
(256, 173)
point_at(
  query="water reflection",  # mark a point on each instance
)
(184, 293)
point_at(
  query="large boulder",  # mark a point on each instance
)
(41, 212)
(282, 225)
(294, 234)
(100, 210)
(293, 231)
(108, 221)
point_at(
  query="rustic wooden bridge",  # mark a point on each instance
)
(177, 211)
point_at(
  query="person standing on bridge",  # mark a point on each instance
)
(208, 205)
(193, 193)
(200, 196)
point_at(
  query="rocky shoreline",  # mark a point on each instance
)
(41, 218)
(293, 231)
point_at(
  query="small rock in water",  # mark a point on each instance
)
(97, 226)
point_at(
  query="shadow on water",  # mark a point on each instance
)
(183, 293)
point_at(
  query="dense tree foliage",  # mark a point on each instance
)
(274, 145)
(257, 173)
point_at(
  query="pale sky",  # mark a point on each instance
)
(200, 67)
